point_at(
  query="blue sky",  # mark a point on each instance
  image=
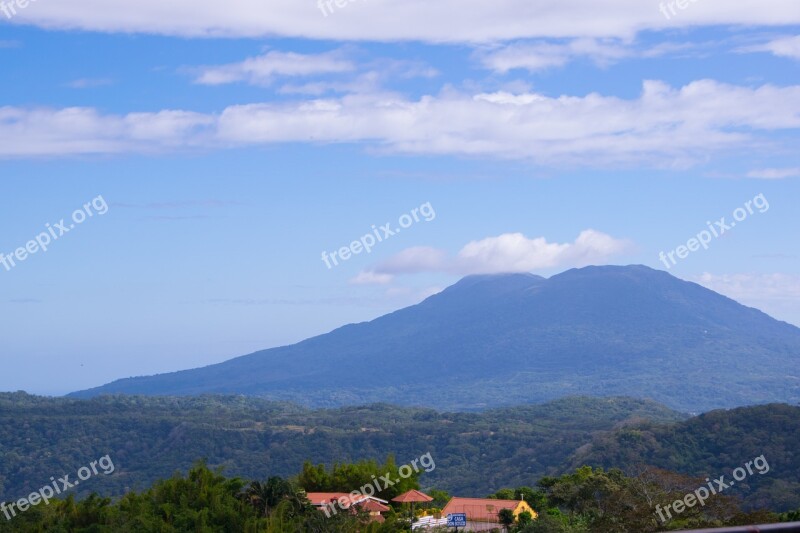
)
(230, 145)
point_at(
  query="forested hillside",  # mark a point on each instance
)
(475, 453)
(150, 438)
(714, 444)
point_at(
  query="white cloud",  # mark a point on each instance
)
(510, 252)
(74, 131)
(513, 252)
(774, 173)
(503, 97)
(664, 126)
(263, 69)
(782, 47)
(543, 55)
(178, 127)
(375, 74)
(384, 20)
(371, 278)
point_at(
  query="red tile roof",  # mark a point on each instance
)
(370, 503)
(322, 498)
(412, 496)
(373, 506)
(479, 509)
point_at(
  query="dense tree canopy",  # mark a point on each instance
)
(203, 501)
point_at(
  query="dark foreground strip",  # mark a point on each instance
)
(793, 527)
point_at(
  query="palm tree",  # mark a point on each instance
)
(266, 496)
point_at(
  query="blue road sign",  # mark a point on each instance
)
(457, 520)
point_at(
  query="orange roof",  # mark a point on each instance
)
(370, 503)
(373, 506)
(412, 496)
(322, 498)
(479, 509)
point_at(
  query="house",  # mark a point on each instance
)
(332, 502)
(486, 509)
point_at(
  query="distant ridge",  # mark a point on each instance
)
(494, 340)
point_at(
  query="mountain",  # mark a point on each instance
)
(517, 338)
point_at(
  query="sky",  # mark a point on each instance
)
(184, 182)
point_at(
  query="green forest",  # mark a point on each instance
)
(205, 501)
(149, 438)
(154, 442)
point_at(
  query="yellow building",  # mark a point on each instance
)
(486, 509)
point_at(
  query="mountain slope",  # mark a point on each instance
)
(499, 340)
(713, 444)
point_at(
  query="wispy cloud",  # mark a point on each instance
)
(781, 47)
(264, 69)
(415, 260)
(544, 55)
(754, 287)
(315, 74)
(89, 83)
(774, 173)
(370, 78)
(777, 294)
(540, 55)
(371, 278)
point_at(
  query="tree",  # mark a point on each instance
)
(266, 496)
(553, 522)
(347, 477)
(440, 497)
(506, 517)
(536, 498)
